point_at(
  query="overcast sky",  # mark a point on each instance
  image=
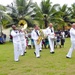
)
(61, 2)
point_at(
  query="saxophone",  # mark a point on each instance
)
(40, 36)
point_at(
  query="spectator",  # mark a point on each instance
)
(58, 40)
(29, 41)
(62, 38)
(1, 40)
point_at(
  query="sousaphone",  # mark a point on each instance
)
(22, 24)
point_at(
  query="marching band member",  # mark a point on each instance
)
(23, 42)
(72, 35)
(16, 42)
(50, 34)
(34, 36)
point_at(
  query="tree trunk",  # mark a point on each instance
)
(45, 21)
(63, 27)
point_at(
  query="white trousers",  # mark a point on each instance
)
(71, 49)
(51, 43)
(37, 47)
(17, 50)
(23, 42)
(40, 45)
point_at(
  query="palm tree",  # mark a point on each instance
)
(72, 13)
(45, 12)
(4, 18)
(4, 15)
(63, 17)
(21, 11)
(2, 8)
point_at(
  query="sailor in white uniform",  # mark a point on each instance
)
(23, 42)
(51, 35)
(16, 42)
(34, 36)
(72, 36)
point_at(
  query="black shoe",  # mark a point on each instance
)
(40, 50)
(25, 52)
(34, 53)
(38, 57)
(52, 52)
(67, 57)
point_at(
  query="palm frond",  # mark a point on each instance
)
(7, 17)
(2, 8)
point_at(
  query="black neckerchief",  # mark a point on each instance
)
(51, 29)
(37, 32)
(16, 31)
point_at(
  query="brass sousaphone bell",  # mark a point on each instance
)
(22, 24)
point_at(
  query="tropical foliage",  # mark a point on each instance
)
(72, 12)
(41, 14)
(62, 17)
(21, 10)
(45, 12)
(4, 18)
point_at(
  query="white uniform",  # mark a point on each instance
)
(23, 42)
(34, 36)
(72, 35)
(17, 44)
(50, 35)
(40, 46)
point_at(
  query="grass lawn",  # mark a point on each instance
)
(48, 64)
